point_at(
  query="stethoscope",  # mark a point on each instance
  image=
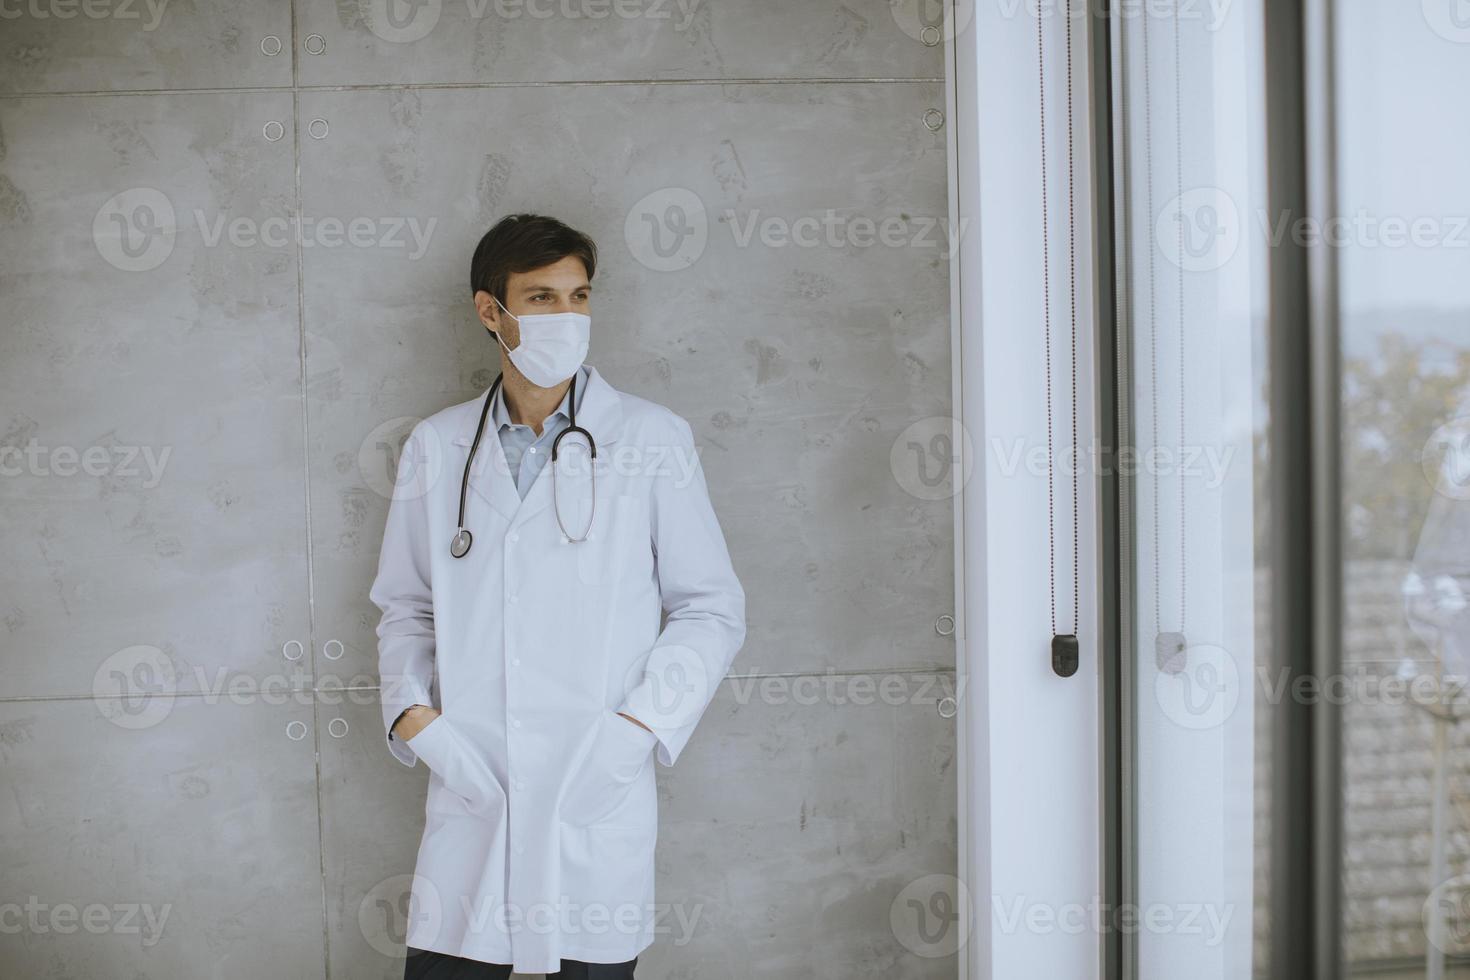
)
(460, 546)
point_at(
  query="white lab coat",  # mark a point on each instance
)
(542, 814)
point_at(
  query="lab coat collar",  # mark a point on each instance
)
(599, 411)
(500, 412)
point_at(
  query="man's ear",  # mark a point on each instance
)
(489, 313)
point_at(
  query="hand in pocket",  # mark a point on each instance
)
(453, 759)
(601, 784)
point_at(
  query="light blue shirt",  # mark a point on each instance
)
(525, 452)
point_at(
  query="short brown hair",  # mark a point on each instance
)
(521, 243)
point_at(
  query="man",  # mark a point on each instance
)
(520, 645)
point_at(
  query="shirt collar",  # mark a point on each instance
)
(501, 413)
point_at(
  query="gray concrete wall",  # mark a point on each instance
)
(199, 408)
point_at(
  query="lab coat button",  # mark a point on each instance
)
(520, 849)
(517, 723)
(515, 661)
(514, 599)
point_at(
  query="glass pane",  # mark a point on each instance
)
(1404, 250)
(1189, 117)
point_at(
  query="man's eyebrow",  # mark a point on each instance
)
(585, 287)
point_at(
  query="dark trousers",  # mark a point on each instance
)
(425, 964)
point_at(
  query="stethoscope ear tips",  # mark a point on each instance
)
(460, 546)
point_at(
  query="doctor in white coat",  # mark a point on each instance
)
(531, 673)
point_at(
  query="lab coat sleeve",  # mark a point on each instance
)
(703, 600)
(402, 591)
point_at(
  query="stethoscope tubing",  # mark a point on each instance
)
(460, 545)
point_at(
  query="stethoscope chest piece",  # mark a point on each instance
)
(460, 546)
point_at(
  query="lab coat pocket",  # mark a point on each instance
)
(459, 772)
(605, 782)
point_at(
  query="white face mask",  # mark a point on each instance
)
(552, 347)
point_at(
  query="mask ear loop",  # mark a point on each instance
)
(592, 446)
(509, 314)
